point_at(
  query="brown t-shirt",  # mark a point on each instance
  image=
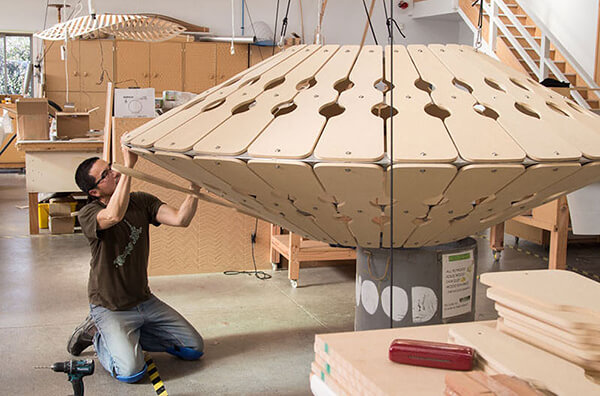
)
(119, 266)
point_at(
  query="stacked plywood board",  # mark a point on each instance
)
(313, 138)
(557, 311)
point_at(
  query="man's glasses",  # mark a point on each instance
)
(103, 176)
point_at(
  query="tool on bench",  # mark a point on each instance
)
(432, 354)
(76, 370)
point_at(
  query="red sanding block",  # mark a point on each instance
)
(432, 354)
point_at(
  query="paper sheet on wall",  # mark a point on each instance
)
(584, 207)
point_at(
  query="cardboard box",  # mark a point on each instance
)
(32, 119)
(72, 125)
(60, 220)
(134, 103)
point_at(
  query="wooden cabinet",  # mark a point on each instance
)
(200, 66)
(229, 65)
(96, 65)
(166, 67)
(132, 64)
(54, 66)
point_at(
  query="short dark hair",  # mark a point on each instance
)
(82, 175)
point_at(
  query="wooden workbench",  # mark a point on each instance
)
(51, 168)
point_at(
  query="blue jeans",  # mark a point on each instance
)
(152, 326)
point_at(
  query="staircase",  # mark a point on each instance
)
(517, 39)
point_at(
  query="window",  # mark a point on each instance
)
(15, 63)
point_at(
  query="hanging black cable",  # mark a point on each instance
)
(390, 22)
(8, 143)
(391, 153)
(479, 22)
(284, 24)
(275, 29)
(259, 274)
(370, 24)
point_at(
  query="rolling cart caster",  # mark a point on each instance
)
(497, 255)
(294, 283)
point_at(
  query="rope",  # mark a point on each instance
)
(275, 29)
(364, 36)
(370, 24)
(284, 24)
(391, 133)
(232, 48)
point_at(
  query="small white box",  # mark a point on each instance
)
(134, 103)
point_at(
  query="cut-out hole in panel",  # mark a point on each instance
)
(437, 111)
(462, 85)
(283, 108)
(518, 84)
(493, 84)
(274, 83)
(424, 85)
(485, 111)
(343, 85)
(241, 108)
(214, 105)
(382, 110)
(522, 200)
(523, 108)
(554, 107)
(331, 110)
(383, 85)
(306, 84)
(574, 107)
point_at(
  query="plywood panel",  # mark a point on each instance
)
(96, 64)
(166, 67)
(54, 66)
(218, 239)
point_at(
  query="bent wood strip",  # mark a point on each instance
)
(163, 183)
(294, 135)
(195, 129)
(431, 143)
(158, 127)
(464, 124)
(347, 137)
(234, 135)
(533, 131)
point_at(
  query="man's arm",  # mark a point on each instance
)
(181, 217)
(119, 201)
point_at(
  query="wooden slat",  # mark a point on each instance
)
(538, 137)
(294, 135)
(196, 128)
(150, 132)
(234, 135)
(347, 137)
(477, 137)
(431, 143)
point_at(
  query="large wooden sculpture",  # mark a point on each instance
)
(302, 140)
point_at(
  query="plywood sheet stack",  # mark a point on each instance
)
(557, 311)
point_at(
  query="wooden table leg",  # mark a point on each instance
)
(497, 237)
(559, 235)
(34, 226)
(294, 263)
(275, 256)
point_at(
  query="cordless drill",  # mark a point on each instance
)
(76, 370)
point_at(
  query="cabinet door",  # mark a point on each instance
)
(90, 100)
(200, 67)
(132, 64)
(229, 65)
(54, 66)
(166, 67)
(96, 64)
(259, 54)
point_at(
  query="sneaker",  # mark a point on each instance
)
(82, 337)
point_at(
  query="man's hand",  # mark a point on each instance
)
(129, 157)
(195, 188)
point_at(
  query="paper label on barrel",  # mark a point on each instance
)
(457, 283)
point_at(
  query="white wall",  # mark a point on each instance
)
(343, 22)
(574, 25)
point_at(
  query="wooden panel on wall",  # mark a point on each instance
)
(200, 67)
(229, 65)
(96, 64)
(132, 64)
(166, 67)
(218, 239)
(55, 67)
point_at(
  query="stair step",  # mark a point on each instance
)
(522, 40)
(513, 29)
(533, 52)
(507, 21)
(594, 104)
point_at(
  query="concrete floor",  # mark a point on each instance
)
(259, 334)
